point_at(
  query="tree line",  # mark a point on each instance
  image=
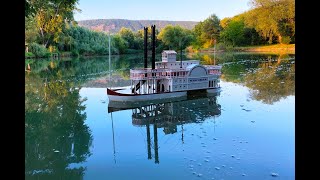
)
(51, 28)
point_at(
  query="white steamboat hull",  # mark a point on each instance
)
(144, 97)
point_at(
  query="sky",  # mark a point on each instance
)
(175, 10)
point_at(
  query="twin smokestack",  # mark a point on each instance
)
(153, 43)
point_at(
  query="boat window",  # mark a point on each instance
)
(177, 73)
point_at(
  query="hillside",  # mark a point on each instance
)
(114, 25)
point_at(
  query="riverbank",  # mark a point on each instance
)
(276, 48)
(283, 48)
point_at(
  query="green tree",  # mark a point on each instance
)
(176, 37)
(272, 18)
(50, 16)
(207, 32)
(127, 35)
(234, 32)
(120, 43)
(31, 32)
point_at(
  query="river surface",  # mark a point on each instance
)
(247, 131)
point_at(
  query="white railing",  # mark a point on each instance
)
(148, 73)
(161, 73)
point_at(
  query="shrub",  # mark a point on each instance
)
(133, 51)
(75, 53)
(221, 46)
(285, 40)
(224, 47)
(39, 50)
(29, 55)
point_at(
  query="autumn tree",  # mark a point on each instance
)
(51, 16)
(272, 18)
(127, 35)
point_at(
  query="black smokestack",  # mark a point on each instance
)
(153, 28)
(145, 47)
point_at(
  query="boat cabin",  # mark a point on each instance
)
(170, 76)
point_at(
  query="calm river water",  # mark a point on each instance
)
(245, 132)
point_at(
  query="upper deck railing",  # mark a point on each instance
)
(162, 73)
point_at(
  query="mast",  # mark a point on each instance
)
(114, 149)
(109, 58)
(180, 53)
(214, 53)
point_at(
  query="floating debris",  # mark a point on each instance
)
(248, 110)
(199, 175)
(274, 174)
(241, 105)
(206, 160)
(243, 174)
(223, 165)
(232, 156)
(217, 168)
(199, 164)
(253, 121)
(215, 139)
(56, 151)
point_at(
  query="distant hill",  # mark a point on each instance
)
(114, 25)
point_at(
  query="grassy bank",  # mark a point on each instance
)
(276, 48)
(286, 48)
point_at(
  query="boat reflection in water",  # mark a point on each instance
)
(169, 115)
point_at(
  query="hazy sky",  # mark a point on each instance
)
(183, 10)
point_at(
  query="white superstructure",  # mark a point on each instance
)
(170, 75)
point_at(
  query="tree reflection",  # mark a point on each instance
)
(272, 81)
(270, 77)
(56, 138)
